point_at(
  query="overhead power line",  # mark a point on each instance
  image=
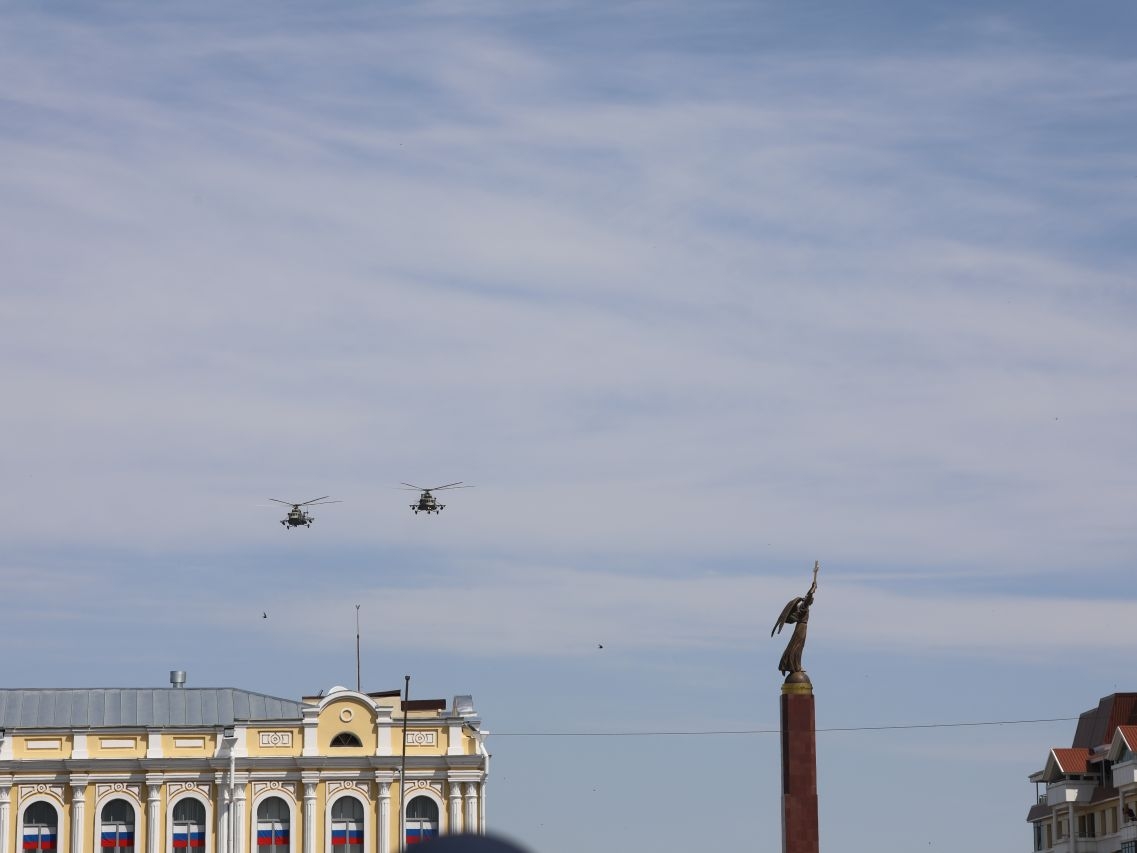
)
(702, 732)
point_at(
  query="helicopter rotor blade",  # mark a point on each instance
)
(313, 500)
(322, 503)
(416, 488)
(447, 486)
(286, 503)
(455, 486)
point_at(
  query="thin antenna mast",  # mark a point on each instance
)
(357, 682)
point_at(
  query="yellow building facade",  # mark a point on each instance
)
(222, 770)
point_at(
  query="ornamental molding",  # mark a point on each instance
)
(55, 791)
(422, 738)
(276, 740)
(275, 786)
(117, 743)
(342, 785)
(199, 788)
(108, 789)
(44, 743)
(422, 785)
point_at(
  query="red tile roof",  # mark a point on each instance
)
(1129, 733)
(1072, 760)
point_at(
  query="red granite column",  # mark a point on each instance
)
(799, 766)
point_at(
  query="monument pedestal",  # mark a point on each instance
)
(799, 766)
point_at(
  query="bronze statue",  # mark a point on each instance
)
(797, 612)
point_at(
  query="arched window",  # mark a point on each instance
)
(422, 820)
(272, 826)
(347, 825)
(346, 739)
(117, 825)
(41, 827)
(188, 826)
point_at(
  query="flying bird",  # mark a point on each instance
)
(264, 615)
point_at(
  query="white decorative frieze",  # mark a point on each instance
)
(34, 790)
(109, 788)
(423, 785)
(276, 740)
(288, 788)
(347, 785)
(117, 742)
(422, 738)
(177, 788)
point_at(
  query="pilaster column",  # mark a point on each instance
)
(153, 817)
(224, 813)
(384, 823)
(5, 813)
(78, 814)
(238, 817)
(455, 825)
(482, 810)
(310, 817)
(471, 807)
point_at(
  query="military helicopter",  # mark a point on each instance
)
(427, 502)
(297, 516)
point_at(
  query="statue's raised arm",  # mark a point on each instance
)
(795, 612)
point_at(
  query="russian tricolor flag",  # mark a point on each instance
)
(183, 840)
(417, 836)
(270, 837)
(39, 841)
(117, 839)
(346, 836)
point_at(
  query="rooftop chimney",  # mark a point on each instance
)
(177, 678)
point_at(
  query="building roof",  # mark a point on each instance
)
(134, 706)
(1129, 735)
(1072, 760)
(1096, 726)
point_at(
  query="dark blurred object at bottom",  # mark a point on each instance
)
(469, 844)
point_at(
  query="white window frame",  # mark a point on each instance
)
(438, 804)
(103, 803)
(189, 795)
(288, 801)
(368, 811)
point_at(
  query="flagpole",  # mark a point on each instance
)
(403, 770)
(357, 680)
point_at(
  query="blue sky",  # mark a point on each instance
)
(695, 294)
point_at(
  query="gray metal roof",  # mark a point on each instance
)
(139, 706)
